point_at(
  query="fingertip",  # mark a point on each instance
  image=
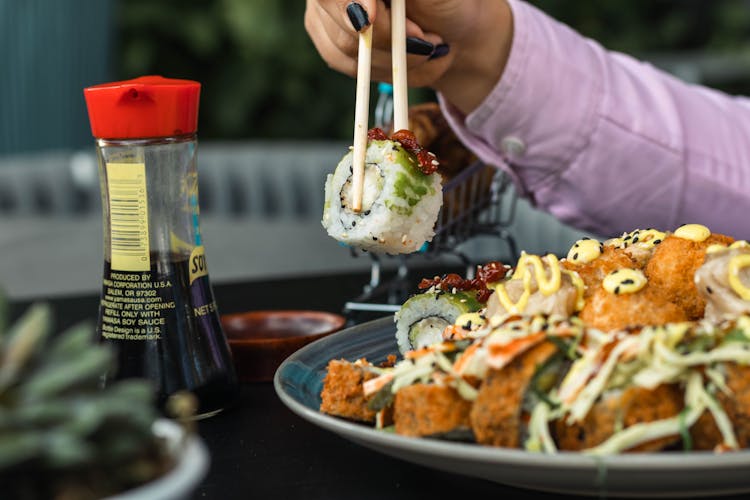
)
(413, 30)
(358, 16)
(361, 13)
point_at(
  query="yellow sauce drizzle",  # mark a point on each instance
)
(624, 281)
(580, 288)
(474, 318)
(643, 238)
(693, 232)
(716, 247)
(736, 264)
(523, 300)
(584, 251)
(547, 285)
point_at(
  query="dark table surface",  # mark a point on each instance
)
(260, 449)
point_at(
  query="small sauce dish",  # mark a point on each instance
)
(261, 340)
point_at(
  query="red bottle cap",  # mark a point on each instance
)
(145, 107)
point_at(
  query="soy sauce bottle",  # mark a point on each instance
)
(157, 307)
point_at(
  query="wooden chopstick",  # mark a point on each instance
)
(398, 54)
(361, 116)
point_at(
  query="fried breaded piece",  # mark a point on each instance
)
(429, 409)
(672, 270)
(705, 433)
(496, 417)
(632, 406)
(608, 311)
(342, 394)
(737, 405)
(592, 273)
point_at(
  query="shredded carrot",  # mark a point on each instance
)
(500, 355)
(375, 384)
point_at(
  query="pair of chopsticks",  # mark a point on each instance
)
(362, 102)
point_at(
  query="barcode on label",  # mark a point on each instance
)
(128, 211)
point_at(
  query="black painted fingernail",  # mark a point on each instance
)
(418, 46)
(357, 16)
(440, 51)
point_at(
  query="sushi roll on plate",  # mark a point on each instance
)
(421, 320)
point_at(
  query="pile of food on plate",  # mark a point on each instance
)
(637, 343)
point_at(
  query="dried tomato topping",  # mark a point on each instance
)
(489, 273)
(492, 272)
(407, 139)
(376, 134)
(426, 161)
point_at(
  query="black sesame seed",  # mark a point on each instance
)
(656, 242)
(575, 256)
(708, 289)
(374, 238)
(366, 212)
(585, 238)
(628, 282)
(617, 290)
(575, 246)
(615, 271)
(635, 240)
(354, 223)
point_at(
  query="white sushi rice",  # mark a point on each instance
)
(400, 204)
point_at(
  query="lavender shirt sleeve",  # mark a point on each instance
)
(607, 143)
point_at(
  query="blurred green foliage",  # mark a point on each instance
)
(262, 77)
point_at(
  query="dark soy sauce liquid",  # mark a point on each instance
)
(168, 330)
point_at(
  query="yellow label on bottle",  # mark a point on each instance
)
(128, 213)
(197, 264)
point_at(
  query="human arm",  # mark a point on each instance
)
(611, 143)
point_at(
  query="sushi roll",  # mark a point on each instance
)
(421, 320)
(400, 202)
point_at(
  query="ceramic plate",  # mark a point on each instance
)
(299, 381)
(191, 465)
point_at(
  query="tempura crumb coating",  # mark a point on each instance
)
(672, 269)
(343, 395)
(428, 410)
(737, 405)
(607, 311)
(632, 406)
(592, 273)
(705, 434)
(496, 417)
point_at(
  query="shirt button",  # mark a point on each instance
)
(512, 146)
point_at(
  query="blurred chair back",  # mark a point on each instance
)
(265, 180)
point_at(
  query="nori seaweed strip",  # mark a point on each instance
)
(539, 372)
(382, 399)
